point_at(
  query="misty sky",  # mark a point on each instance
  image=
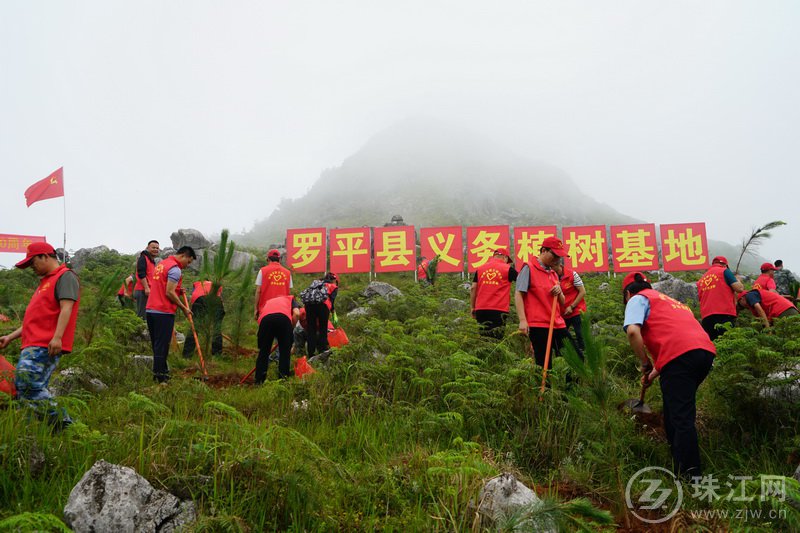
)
(205, 114)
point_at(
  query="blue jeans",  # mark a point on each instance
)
(31, 379)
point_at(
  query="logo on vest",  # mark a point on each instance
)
(708, 282)
(491, 277)
(277, 278)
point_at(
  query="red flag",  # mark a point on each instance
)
(50, 187)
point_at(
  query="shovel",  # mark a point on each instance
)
(196, 341)
(638, 405)
(549, 345)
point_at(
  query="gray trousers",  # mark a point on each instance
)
(141, 303)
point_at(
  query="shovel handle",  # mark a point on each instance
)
(642, 393)
(549, 344)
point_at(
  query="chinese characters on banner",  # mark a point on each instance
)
(395, 249)
(528, 240)
(588, 248)
(482, 241)
(350, 250)
(447, 243)
(684, 246)
(634, 247)
(306, 250)
(17, 244)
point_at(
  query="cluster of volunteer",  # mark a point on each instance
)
(549, 300)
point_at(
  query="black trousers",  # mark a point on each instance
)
(317, 316)
(680, 379)
(538, 338)
(272, 327)
(710, 322)
(577, 329)
(141, 303)
(200, 313)
(492, 322)
(160, 327)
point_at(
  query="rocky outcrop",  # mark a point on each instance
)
(384, 290)
(189, 237)
(110, 497)
(675, 288)
(79, 258)
(453, 305)
(504, 497)
(71, 379)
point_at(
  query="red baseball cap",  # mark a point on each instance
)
(34, 249)
(502, 251)
(556, 246)
(631, 277)
(767, 266)
(274, 253)
(720, 259)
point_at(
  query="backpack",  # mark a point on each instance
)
(316, 293)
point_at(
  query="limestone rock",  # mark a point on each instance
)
(359, 311)
(79, 258)
(143, 360)
(785, 385)
(680, 290)
(384, 290)
(115, 498)
(189, 237)
(70, 379)
(504, 496)
(466, 286)
(453, 305)
(602, 288)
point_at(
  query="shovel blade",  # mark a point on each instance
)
(637, 406)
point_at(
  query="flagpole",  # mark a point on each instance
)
(64, 197)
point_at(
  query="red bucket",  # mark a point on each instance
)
(7, 377)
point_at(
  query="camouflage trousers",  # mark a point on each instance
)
(31, 379)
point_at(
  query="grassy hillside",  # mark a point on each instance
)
(402, 427)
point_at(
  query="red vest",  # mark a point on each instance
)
(570, 293)
(331, 287)
(279, 304)
(151, 267)
(773, 304)
(671, 329)
(764, 281)
(129, 284)
(716, 296)
(275, 281)
(538, 301)
(494, 288)
(202, 288)
(157, 301)
(41, 316)
(422, 270)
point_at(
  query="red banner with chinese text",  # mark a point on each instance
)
(447, 243)
(482, 241)
(350, 250)
(306, 250)
(528, 240)
(395, 248)
(17, 244)
(588, 248)
(634, 248)
(684, 246)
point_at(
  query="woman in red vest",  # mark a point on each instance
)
(537, 285)
(717, 291)
(682, 355)
(766, 280)
(276, 321)
(272, 280)
(47, 330)
(490, 294)
(767, 305)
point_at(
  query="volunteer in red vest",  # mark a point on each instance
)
(318, 313)
(537, 285)
(490, 293)
(574, 304)
(272, 280)
(145, 265)
(205, 307)
(767, 305)
(422, 270)
(162, 303)
(766, 280)
(682, 356)
(47, 331)
(125, 292)
(276, 321)
(717, 291)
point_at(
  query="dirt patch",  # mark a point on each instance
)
(650, 423)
